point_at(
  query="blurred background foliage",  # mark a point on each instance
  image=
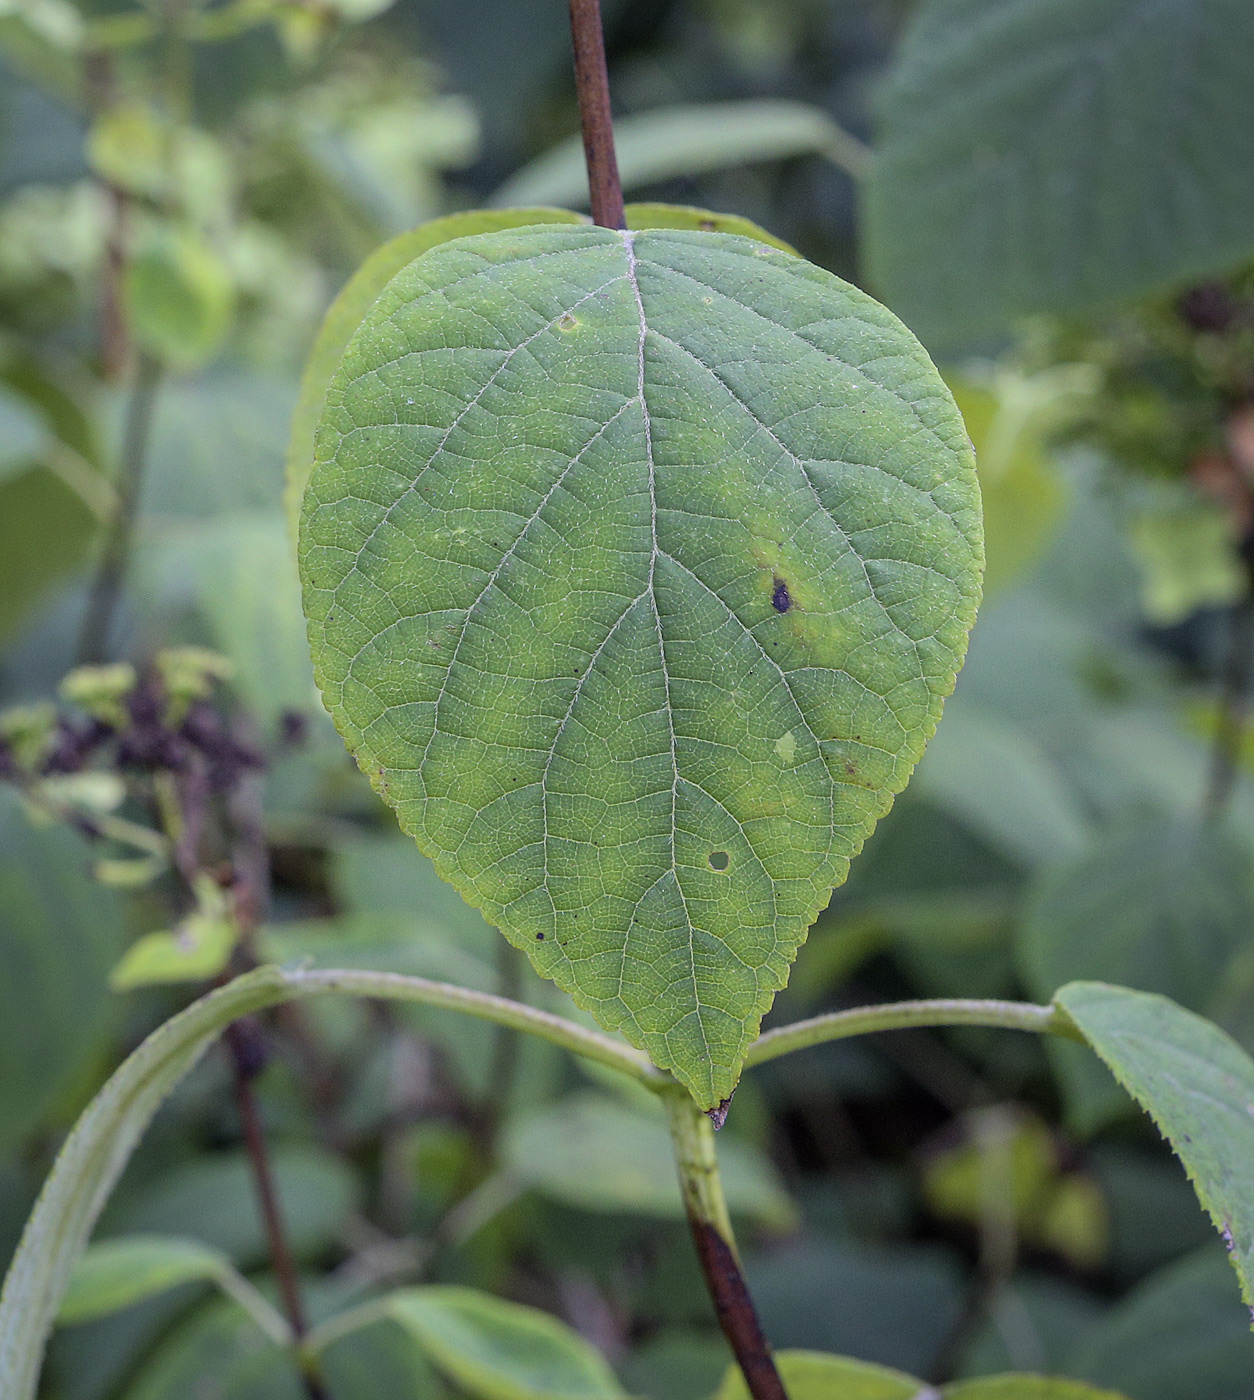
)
(182, 191)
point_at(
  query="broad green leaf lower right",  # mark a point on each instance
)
(638, 566)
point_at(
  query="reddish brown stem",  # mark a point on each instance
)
(593, 86)
(243, 1050)
(735, 1312)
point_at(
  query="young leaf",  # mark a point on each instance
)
(116, 1273)
(1007, 157)
(496, 1350)
(815, 1375)
(1198, 1086)
(637, 568)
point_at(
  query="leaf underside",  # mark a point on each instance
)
(637, 568)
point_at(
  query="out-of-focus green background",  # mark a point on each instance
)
(188, 187)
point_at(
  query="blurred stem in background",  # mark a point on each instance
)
(106, 588)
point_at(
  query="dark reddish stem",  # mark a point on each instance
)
(736, 1314)
(246, 1056)
(593, 85)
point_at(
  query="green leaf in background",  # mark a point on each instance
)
(688, 216)
(180, 298)
(1163, 906)
(496, 1350)
(1180, 1334)
(592, 1152)
(1198, 1086)
(197, 950)
(46, 534)
(1007, 420)
(642, 670)
(1025, 1388)
(60, 932)
(1188, 554)
(349, 308)
(685, 142)
(22, 432)
(1052, 156)
(210, 1197)
(814, 1375)
(118, 1273)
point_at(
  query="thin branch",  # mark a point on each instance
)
(593, 86)
(692, 1134)
(864, 1020)
(106, 589)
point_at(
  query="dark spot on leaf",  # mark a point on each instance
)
(718, 1116)
(781, 599)
(708, 225)
(568, 322)
(719, 860)
(540, 937)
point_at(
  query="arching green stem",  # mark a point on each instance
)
(900, 1015)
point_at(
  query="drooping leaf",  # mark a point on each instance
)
(197, 950)
(816, 1375)
(686, 141)
(118, 1273)
(641, 602)
(496, 1350)
(59, 934)
(1198, 1086)
(592, 1152)
(356, 298)
(1059, 155)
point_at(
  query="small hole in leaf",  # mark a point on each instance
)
(781, 599)
(719, 860)
(568, 322)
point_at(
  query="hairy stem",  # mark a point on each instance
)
(692, 1134)
(593, 86)
(244, 1061)
(106, 588)
(943, 1011)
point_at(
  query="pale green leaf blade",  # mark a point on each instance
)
(1051, 155)
(816, 1375)
(1014, 1387)
(592, 1152)
(114, 1274)
(355, 298)
(1198, 1086)
(689, 216)
(496, 1350)
(641, 603)
(686, 141)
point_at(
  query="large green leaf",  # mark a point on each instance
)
(496, 1350)
(356, 298)
(1049, 155)
(60, 932)
(1198, 1086)
(46, 533)
(637, 567)
(362, 289)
